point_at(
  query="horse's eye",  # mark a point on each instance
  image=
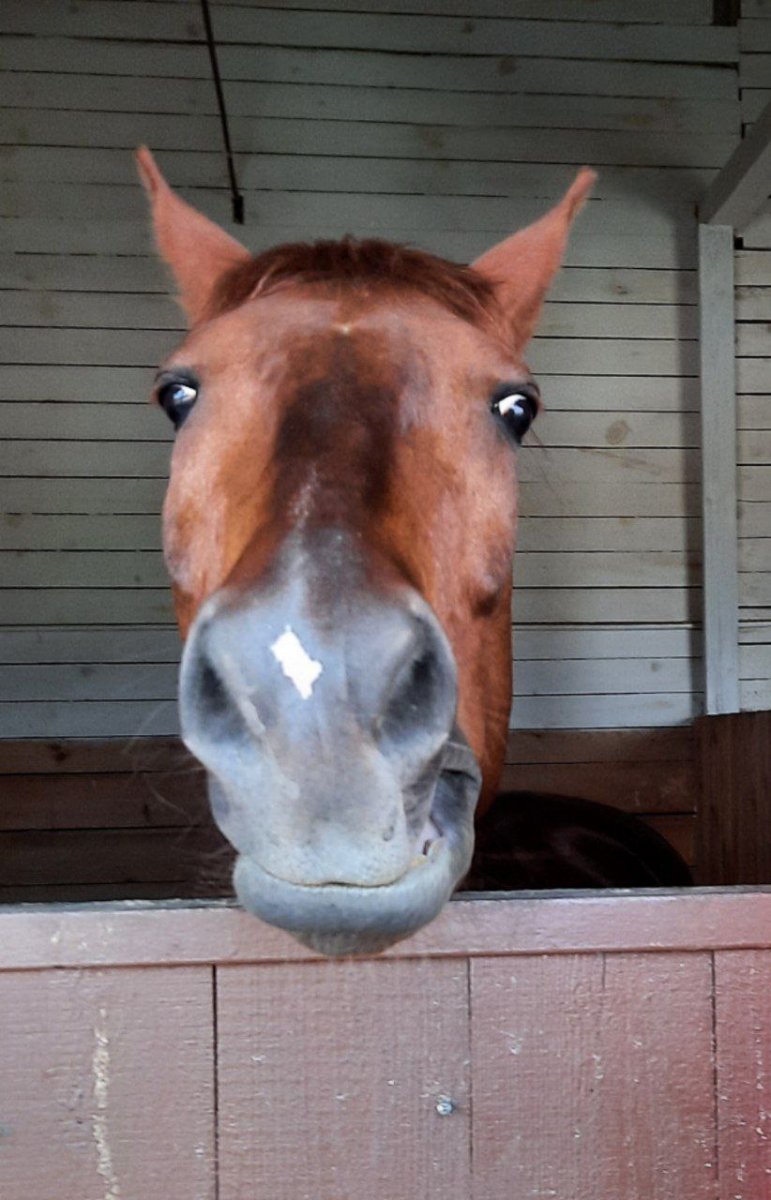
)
(176, 397)
(516, 407)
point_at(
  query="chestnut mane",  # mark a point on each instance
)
(370, 262)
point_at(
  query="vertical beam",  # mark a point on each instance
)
(719, 456)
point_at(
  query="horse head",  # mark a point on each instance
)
(339, 529)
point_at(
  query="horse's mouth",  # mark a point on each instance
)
(338, 919)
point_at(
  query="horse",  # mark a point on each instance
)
(533, 841)
(339, 528)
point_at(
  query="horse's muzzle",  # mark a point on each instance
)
(335, 766)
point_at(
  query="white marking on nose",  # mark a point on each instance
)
(295, 662)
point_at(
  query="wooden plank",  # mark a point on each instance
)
(743, 1054)
(151, 754)
(753, 412)
(617, 1066)
(736, 794)
(607, 711)
(377, 1096)
(757, 232)
(94, 531)
(598, 568)
(89, 718)
(601, 499)
(379, 31)
(755, 554)
(582, 676)
(189, 857)
(598, 642)
(94, 893)
(102, 384)
(754, 484)
(535, 534)
(103, 801)
(575, 746)
(81, 309)
(94, 1067)
(638, 787)
(753, 341)
(744, 182)
(754, 589)
(755, 695)
(119, 99)
(603, 430)
(753, 303)
(135, 934)
(91, 681)
(719, 468)
(687, 12)
(91, 645)
(751, 268)
(755, 660)
(598, 606)
(105, 569)
(754, 519)
(84, 496)
(370, 67)
(755, 35)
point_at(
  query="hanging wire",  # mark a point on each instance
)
(235, 194)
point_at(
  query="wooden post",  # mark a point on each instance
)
(734, 826)
(718, 449)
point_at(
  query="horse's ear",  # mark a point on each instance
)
(196, 249)
(522, 267)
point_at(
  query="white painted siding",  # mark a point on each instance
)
(753, 347)
(442, 129)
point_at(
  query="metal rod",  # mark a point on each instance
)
(237, 198)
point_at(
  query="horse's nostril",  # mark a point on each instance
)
(421, 700)
(212, 694)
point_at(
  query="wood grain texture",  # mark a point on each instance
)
(329, 1076)
(607, 1092)
(138, 933)
(743, 1077)
(735, 811)
(107, 1085)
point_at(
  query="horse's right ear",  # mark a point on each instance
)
(196, 249)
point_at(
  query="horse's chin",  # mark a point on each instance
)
(340, 920)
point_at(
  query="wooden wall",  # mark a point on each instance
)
(753, 343)
(193, 1052)
(107, 819)
(444, 128)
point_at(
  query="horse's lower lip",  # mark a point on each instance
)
(342, 919)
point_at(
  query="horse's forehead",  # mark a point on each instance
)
(289, 323)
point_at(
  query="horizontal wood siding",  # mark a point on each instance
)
(113, 819)
(753, 337)
(442, 127)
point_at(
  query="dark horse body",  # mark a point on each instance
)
(339, 528)
(530, 841)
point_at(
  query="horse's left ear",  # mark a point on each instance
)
(195, 248)
(523, 266)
